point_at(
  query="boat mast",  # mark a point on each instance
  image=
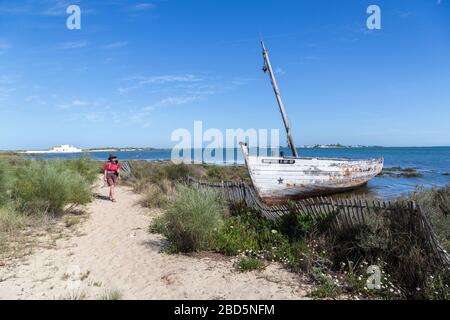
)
(268, 68)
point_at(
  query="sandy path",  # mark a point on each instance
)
(115, 252)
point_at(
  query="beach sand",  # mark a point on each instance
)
(115, 252)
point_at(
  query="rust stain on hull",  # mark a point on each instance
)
(277, 180)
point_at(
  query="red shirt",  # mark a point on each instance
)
(109, 166)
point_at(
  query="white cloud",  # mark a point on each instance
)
(148, 108)
(176, 90)
(116, 45)
(142, 116)
(142, 7)
(79, 103)
(241, 81)
(168, 78)
(140, 81)
(75, 103)
(170, 101)
(56, 8)
(122, 90)
(52, 8)
(73, 45)
(139, 117)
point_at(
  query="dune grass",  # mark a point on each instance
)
(33, 192)
(250, 264)
(145, 173)
(112, 295)
(148, 173)
(306, 246)
(11, 220)
(49, 188)
(435, 203)
(191, 220)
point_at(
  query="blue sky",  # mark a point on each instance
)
(138, 70)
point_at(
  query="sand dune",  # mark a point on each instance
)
(116, 253)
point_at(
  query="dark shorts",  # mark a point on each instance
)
(111, 179)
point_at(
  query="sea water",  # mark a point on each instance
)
(433, 163)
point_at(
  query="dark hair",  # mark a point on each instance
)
(112, 157)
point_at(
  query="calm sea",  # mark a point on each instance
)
(432, 162)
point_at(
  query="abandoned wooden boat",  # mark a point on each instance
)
(278, 179)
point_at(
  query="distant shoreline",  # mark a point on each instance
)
(83, 151)
(133, 149)
(123, 149)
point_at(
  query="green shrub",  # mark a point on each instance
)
(11, 220)
(176, 172)
(147, 173)
(217, 173)
(236, 236)
(368, 241)
(214, 171)
(326, 288)
(154, 172)
(435, 204)
(248, 231)
(437, 287)
(46, 187)
(296, 226)
(139, 185)
(153, 197)
(250, 264)
(295, 255)
(158, 225)
(89, 169)
(192, 219)
(6, 181)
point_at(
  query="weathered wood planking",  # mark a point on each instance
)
(278, 178)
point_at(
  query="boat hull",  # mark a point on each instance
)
(278, 179)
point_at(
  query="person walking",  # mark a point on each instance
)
(112, 175)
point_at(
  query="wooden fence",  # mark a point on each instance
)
(341, 214)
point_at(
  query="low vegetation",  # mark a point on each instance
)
(326, 287)
(154, 196)
(36, 191)
(46, 187)
(111, 295)
(340, 264)
(435, 204)
(250, 264)
(192, 220)
(149, 173)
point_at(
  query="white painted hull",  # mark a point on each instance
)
(278, 179)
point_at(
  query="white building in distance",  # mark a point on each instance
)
(65, 148)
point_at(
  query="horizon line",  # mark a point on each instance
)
(281, 147)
